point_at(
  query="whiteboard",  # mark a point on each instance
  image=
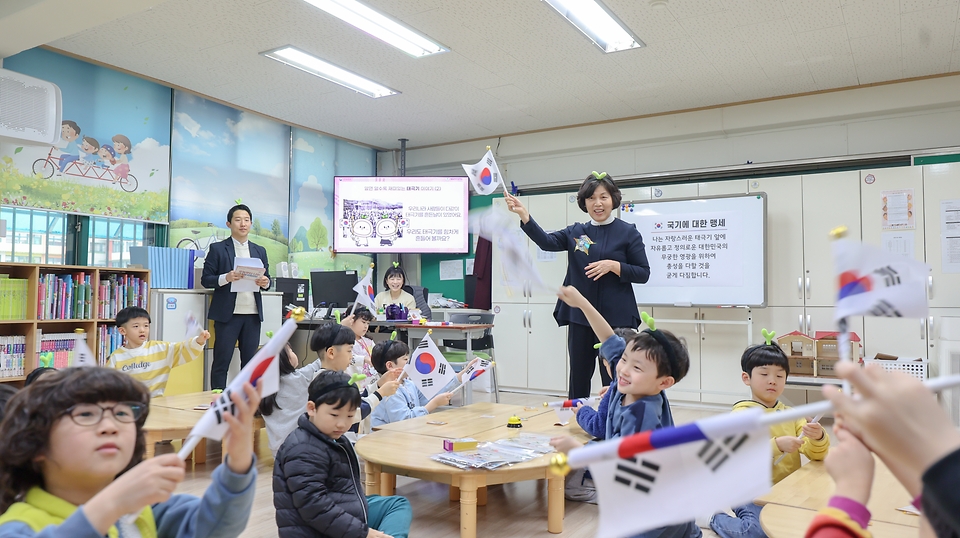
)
(702, 251)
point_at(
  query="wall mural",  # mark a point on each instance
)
(220, 155)
(316, 160)
(113, 157)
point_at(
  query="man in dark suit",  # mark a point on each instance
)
(236, 315)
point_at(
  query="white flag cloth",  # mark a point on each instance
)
(499, 226)
(476, 370)
(873, 282)
(675, 485)
(428, 369)
(485, 175)
(193, 326)
(366, 293)
(82, 355)
(263, 369)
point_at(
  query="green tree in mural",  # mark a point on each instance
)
(296, 245)
(317, 235)
(276, 229)
(257, 228)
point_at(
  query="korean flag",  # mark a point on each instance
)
(428, 369)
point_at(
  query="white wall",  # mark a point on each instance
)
(915, 115)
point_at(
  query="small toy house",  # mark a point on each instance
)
(828, 353)
(800, 349)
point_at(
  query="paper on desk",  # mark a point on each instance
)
(251, 269)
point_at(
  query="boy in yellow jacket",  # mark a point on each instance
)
(765, 370)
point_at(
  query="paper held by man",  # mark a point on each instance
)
(250, 270)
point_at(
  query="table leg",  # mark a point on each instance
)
(482, 496)
(555, 505)
(454, 494)
(467, 389)
(468, 506)
(200, 453)
(152, 438)
(388, 484)
(373, 477)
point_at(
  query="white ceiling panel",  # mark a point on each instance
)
(518, 66)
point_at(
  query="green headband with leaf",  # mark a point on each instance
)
(238, 201)
(598, 175)
(393, 335)
(768, 336)
(356, 378)
(396, 265)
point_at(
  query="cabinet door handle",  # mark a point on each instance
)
(799, 287)
(930, 287)
(807, 332)
(930, 330)
(696, 326)
(530, 317)
(923, 329)
(703, 327)
(808, 287)
(800, 324)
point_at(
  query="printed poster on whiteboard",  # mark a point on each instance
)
(693, 249)
(401, 214)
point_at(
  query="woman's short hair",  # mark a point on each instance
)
(394, 270)
(589, 186)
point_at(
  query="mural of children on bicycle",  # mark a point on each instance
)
(113, 156)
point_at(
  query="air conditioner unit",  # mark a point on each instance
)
(30, 109)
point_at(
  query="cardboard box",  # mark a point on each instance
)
(456, 445)
(797, 344)
(801, 365)
(827, 367)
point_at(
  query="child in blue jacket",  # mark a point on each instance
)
(71, 465)
(408, 402)
(650, 362)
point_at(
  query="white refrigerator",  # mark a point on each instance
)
(169, 310)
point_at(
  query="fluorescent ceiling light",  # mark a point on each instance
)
(315, 66)
(380, 26)
(598, 23)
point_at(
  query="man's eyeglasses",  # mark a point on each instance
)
(88, 414)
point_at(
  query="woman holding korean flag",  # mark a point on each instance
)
(605, 256)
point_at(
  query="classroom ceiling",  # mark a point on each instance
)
(516, 65)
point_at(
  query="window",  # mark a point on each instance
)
(33, 235)
(111, 239)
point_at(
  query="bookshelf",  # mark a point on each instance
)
(88, 309)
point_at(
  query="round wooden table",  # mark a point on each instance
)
(389, 453)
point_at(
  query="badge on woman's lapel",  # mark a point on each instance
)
(583, 244)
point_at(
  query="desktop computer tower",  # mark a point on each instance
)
(295, 292)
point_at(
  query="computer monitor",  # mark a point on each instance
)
(333, 288)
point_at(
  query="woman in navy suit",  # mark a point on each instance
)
(605, 256)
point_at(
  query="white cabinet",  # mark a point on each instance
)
(784, 239)
(531, 346)
(688, 389)
(941, 182)
(721, 347)
(829, 201)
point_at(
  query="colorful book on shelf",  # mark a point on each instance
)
(12, 354)
(13, 298)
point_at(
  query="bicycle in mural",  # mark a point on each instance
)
(201, 243)
(47, 166)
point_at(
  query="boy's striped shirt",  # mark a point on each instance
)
(151, 362)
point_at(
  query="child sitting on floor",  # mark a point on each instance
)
(408, 402)
(71, 465)
(317, 485)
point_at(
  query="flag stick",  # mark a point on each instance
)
(843, 344)
(718, 426)
(188, 445)
(566, 404)
(815, 420)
